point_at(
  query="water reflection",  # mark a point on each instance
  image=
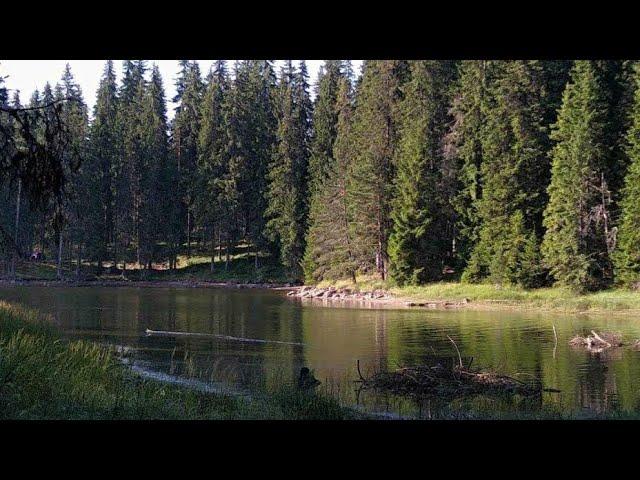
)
(336, 338)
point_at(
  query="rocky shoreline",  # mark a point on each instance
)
(382, 297)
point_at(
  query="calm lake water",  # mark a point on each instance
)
(335, 338)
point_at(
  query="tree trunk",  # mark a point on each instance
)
(213, 248)
(188, 233)
(59, 264)
(17, 240)
(78, 261)
(228, 255)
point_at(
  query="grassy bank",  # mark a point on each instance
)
(501, 297)
(45, 377)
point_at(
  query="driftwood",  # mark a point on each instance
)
(163, 333)
(597, 342)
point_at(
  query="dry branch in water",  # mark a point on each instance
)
(597, 342)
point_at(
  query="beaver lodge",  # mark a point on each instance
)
(450, 382)
(443, 382)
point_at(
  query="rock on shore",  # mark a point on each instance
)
(377, 296)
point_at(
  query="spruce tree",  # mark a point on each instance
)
(419, 243)
(371, 178)
(71, 211)
(184, 137)
(213, 162)
(627, 253)
(103, 155)
(325, 120)
(155, 203)
(329, 253)
(252, 126)
(125, 170)
(514, 174)
(577, 239)
(463, 149)
(286, 191)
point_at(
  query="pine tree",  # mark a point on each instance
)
(126, 170)
(627, 253)
(325, 120)
(213, 162)
(252, 128)
(577, 240)
(155, 199)
(286, 191)
(463, 148)
(419, 244)
(514, 172)
(71, 211)
(371, 178)
(104, 156)
(329, 253)
(185, 133)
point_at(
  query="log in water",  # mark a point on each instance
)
(164, 333)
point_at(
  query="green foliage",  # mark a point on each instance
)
(514, 174)
(321, 160)
(370, 180)
(287, 175)
(463, 148)
(627, 253)
(421, 240)
(575, 246)
(329, 253)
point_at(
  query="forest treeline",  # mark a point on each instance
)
(510, 172)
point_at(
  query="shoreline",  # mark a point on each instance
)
(460, 297)
(333, 296)
(144, 283)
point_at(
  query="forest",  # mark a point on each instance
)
(508, 172)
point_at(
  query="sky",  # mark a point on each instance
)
(27, 75)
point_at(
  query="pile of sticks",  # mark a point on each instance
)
(597, 342)
(449, 382)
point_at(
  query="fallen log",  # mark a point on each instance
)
(164, 333)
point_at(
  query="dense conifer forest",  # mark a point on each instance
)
(508, 172)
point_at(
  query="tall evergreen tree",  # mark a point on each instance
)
(329, 253)
(627, 253)
(213, 205)
(420, 242)
(286, 191)
(252, 128)
(514, 174)
(185, 133)
(156, 198)
(371, 178)
(578, 234)
(71, 211)
(325, 120)
(126, 170)
(104, 157)
(463, 148)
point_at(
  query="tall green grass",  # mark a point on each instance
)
(43, 376)
(497, 296)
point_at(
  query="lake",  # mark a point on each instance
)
(334, 338)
